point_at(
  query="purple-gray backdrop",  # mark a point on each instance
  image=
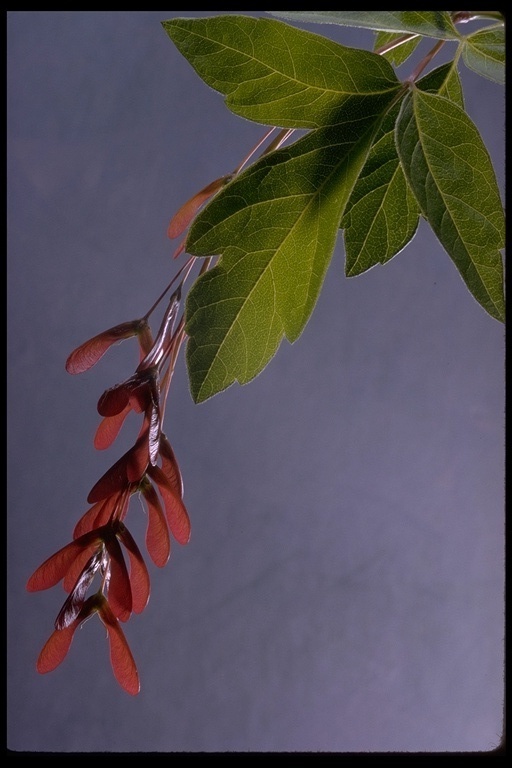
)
(343, 587)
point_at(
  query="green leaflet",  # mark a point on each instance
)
(382, 214)
(450, 172)
(275, 74)
(429, 23)
(275, 227)
(484, 53)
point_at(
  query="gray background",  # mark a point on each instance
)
(343, 587)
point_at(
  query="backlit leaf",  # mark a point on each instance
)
(382, 214)
(450, 172)
(276, 74)
(275, 227)
(484, 53)
(429, 23)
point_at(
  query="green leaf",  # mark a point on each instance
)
(444, 81)
(484, 53)
(451, 174)
(429, 23)
(382, 214)
(275, 227)
(275, 74)
(399, 54)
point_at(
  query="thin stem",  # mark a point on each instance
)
(173, 348)
(281, 137)
(395, 44)
(279, 140)
(188, 264)
(424, 62)
(173, 351)
(162, 345)
(205, 265)
(158, 351)
(253, 150)
(105, 578)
